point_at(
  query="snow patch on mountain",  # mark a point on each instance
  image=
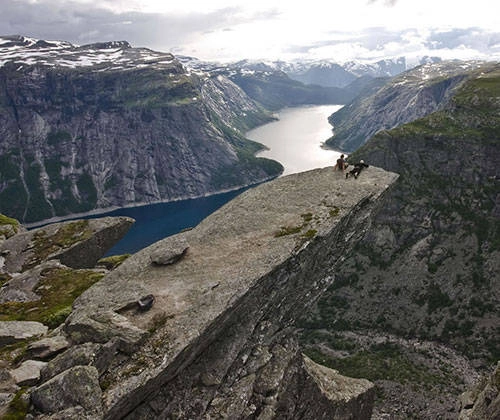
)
(113, 55)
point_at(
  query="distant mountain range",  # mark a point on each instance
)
(325, 73)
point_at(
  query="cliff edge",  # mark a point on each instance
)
(201, 324)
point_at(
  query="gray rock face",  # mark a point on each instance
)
(75, 388)
(14, 331)
(21, 287)
(429, 264)
(482, 402)
(80, 355)
(48, 347)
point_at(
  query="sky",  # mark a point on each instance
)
(224, 30)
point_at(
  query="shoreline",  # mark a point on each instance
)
(105, 210)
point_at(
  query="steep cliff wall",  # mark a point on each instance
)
(400, 100)
(109, 125)
(428, 268)
(218, 338)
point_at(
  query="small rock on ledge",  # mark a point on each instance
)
(170, 253)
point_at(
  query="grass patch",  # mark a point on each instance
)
(110, 263)
(334, 212)
(58, 288)
(5, 220)
(380, 362)
(287, 230)
(8, 226)
(311, 233)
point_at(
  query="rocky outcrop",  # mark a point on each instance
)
(35, 298)
(76, 244)
(109, 125)
(483, 401)
(219, 339)
(402, 99)
(28, 374)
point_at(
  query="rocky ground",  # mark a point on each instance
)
(42, 271)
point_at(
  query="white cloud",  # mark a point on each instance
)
(229, 29)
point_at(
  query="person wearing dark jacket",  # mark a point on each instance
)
(355, 171)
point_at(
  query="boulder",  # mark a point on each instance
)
(47, 348)
(14, 331)
(171, 251)
(75, 387)
(28, 374)
(346, 398)
(76, 244)
(81, 355)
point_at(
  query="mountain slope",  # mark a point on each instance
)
(427, 270)
(109, 125)
(405, 98)
(270, 85)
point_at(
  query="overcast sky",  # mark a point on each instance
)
(365, 30)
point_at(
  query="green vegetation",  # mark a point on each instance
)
(5, 220)
(58, 288)
(380, 362)
(334, 212)
(38, 207)
(287, 230)
(66, 236)
(87, 190)
(113, 261)
(18, 407)
(311, 233)
(8, 226)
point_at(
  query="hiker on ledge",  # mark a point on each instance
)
(358, 167)
(341, 163)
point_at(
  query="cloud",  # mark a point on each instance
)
(377, 42)
(473, 38)
(389, 3)
(260, 29)
(81, 23)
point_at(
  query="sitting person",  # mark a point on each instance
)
(358, 167)
(341, 163)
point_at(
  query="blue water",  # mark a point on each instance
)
(157, 221)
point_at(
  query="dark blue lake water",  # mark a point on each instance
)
(157, 221)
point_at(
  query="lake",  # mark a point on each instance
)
(294, 141)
